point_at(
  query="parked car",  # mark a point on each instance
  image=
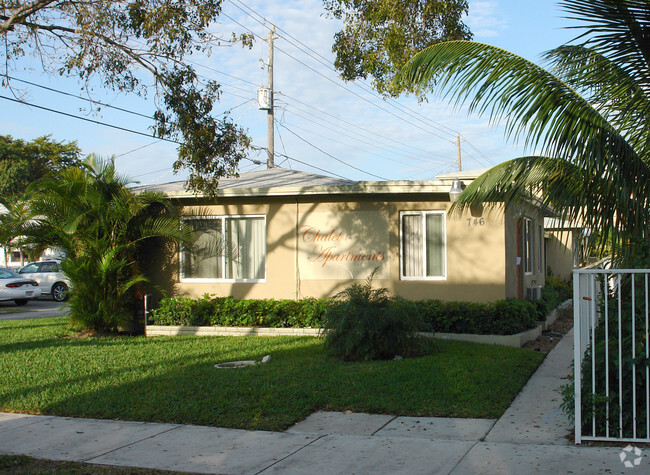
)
(17, 288)
(50, 278)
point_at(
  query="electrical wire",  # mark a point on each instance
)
(330, 155)
(362, 85)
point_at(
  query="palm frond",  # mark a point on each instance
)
(608, 87)
(618, 29)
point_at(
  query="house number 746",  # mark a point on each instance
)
(475, 222)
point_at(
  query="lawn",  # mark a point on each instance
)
(173, 379)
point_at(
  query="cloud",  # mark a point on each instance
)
(485, 19)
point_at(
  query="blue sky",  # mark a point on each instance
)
(323, 122)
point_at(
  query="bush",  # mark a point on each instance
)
(563, 288)
(226, 311)
(365, 324)
(503, 317)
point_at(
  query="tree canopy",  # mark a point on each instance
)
(22, 163)
(380, 36)
(136, 46)
(587, 115)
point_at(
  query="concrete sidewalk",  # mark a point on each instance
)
(529, 438)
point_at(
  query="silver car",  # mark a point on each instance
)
(17, 288)
(50, 278)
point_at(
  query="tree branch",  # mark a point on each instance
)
(21, 13)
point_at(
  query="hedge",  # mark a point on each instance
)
(503, 317)
(226, 311)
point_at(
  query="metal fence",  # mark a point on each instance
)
(611, 354)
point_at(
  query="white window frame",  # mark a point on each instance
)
(528, 244)
(424, 245)
(539, 249)
(223, 219)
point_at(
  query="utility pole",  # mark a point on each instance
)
(270, 160)
(460, 164)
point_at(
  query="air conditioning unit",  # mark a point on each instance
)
(534, 292)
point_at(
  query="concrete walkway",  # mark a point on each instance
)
(529, 438)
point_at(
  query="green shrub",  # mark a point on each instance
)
(563, 288)
(175, 311)
(365, 324)
(503, 317)
(226, 311)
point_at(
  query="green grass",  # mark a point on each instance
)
(173, 379)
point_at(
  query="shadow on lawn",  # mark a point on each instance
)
(183, 389)
(174, 380)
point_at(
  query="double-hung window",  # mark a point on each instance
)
(423, 245)
(225, 248)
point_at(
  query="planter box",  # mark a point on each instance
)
(516, 340)
(551, 317)
(163, 330)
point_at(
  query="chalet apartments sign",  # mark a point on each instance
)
(343, 245)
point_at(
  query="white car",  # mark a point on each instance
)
(50, 278)
(17, 288)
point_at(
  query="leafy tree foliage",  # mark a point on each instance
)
(123, 42)
(103, 228)
(380, 36)
(22, 163)
(588, 114)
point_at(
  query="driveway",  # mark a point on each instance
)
(40, 308)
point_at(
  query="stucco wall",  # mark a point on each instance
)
(560, 253)
(300, 229)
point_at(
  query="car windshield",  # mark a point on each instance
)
(8, 274)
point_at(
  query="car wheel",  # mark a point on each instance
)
(20, 301)
(59, 292)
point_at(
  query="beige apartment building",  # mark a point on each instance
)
(287, 234)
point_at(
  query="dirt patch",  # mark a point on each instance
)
(21, 464)
(549, 338)
(89, 334)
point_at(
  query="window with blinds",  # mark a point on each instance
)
(225, 248)
(423, 245)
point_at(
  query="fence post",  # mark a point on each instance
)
(577, 358)
(147, 302)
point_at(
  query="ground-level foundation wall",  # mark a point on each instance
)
(316, 247)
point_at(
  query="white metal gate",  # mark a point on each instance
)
(611, 354)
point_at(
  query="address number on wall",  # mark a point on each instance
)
(475, 222)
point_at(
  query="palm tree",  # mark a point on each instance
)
(587, 113)
(102, 227)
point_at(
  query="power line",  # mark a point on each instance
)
(329, 154)
(367, 141)
(367, 131)
(328, 64)
(78, 97)
(338, 84)
(343, 143)
(124, 129)
(136, 149)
